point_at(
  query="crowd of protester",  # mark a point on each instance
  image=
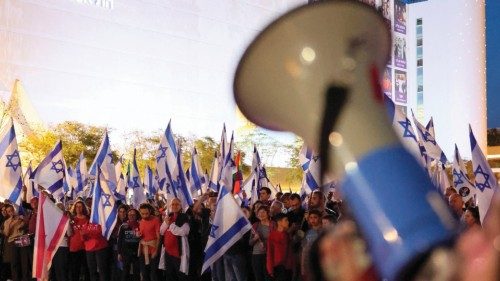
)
(160, 241)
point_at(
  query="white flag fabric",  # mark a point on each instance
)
(196, 176)
(50, 172)
(461, 181)
(11, 182)
(69, 181)
(250, 188)
(104, 160)
(485, 180)
(104, 209)
(180, 184)
(51, 226)
(429, 142)
(31, 189)
(223, 147)
(430, 128)
(229, 226)
(121, 188)
(214, 173)
(440, 178)
(81, 175)
(312, 176)
(403, 128)
(166, 157)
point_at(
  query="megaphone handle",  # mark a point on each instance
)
(336, 97)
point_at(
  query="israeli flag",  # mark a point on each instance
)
(135, 185)
(31, 189)
(403, 129)
(104, 209)
(214, 173)
(224, 158)
(312, 177)
(166, 156)
(227, 172)
(261, 179)
(50, 172)
(104, 157)
(430, 128)
(256, 164)
(429, 142)
(305, 156)
(151, 182)
(180, 184)
(81, 175)
(229, 226)
(121, 188)
(223, 147)
(196, 177)
(11, 181)
(69, 181)
(461, 182)
(485, 180)
(249, 186)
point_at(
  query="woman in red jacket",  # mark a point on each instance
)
(77, 259)
(96, 248)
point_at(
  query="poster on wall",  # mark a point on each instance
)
(400, 51)
(399, 17)
(387, 82)
(400, 86)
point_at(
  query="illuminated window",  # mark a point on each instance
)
(420, 70)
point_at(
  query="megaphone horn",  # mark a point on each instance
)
(316, 72)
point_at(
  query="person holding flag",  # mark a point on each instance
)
(97, 232)
(175, 229)
(51, 226)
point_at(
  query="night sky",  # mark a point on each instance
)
(493, 61)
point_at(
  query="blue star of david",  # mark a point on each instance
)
(213, 230)
(407, 127)
(429, 138)
(167, 186)
(458, 178)
(135, 182)
(57, 166)
(163, 152)
(106, 200)
(482, 185)
(10, 159)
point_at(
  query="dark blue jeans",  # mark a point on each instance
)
(98, 264)
(235, 267)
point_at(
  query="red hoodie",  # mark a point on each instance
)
(279, 251)
(92, 237)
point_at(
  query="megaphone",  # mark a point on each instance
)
(316, 72)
